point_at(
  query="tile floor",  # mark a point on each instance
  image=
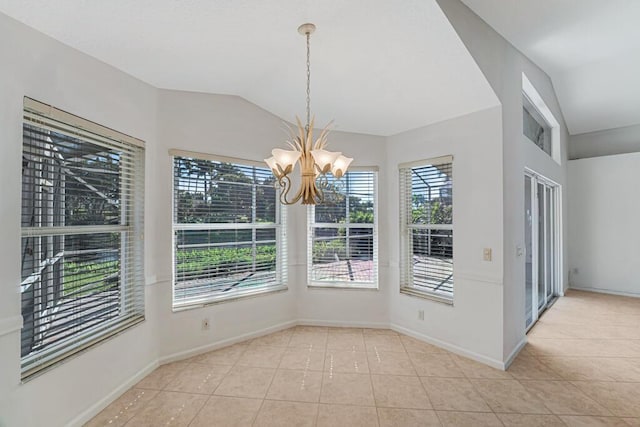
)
(580, 368)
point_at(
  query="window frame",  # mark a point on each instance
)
(280, 226)
(130, 228)
(311, 224)
(406, 231)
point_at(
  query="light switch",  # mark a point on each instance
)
(486, 254)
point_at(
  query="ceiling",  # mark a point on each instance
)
(376, 68)
(589, 48)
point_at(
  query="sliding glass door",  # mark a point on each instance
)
(541, 245)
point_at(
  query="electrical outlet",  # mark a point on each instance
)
(420, 314)
(486, 254)
(205, 324)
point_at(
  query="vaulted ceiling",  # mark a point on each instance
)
(589, 48)
(378, 67)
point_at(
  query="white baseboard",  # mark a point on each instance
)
(341, 324)
(95, 409)
(605, 291)
(223, 343)
(515, 352)
(494, 363)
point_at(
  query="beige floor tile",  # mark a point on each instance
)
(435, 365)
(168, 407)
(454, 394)
(413, 345)
(123, 409)
(377, 331)
(395, 391)
(354, 362)
(391, 363)
(508, 396)
(163, 375)
(305, 338)
(585, 347)
(276, 339)
(220, 411)
(277, 414)
(352, 416)
(344, 330)
(383, 342)
(530, 368)
(473, 369)
(299, 386)
(344, 341)
(582, 368)
(261, 356)
(622, 399)
(245, 381)
(468, 419)
(563, 398)
(634, 422)
(302, 358)
(528, 420)
(348, 389)
(309, 328)
(396, 417)
(590, 421)
(198, 378)
(225, 356)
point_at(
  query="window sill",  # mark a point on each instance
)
(343, 285)
(204, 302)
(427, 295)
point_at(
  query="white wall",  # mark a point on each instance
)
(50, 72)
(473, 324)
(604, 208)
(503, 65)
(605, 142)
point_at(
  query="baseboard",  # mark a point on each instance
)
(95, 409)
(605, 291)
(223, 343)
(494, 363)
(342, 324)
(515, 352)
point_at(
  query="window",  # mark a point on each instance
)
(534, 127)
(82, 230)
(228, 230)
(426, 238)
(343, 233)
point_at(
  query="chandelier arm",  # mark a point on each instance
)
(285, 185)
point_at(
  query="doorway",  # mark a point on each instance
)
(542, 242)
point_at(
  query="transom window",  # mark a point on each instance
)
(426, 238)
(82, 230)
(534, 127)
(228, 230)
(343, 233)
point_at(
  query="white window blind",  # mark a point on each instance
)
(228, 229)
(343, 233)
(82, 230)
(426, 218)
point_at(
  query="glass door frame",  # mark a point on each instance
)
(552, 218)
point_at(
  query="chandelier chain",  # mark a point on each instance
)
(308, 80)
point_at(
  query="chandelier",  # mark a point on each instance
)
(315, 161)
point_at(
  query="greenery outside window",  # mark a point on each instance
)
(426, 223)
(343, 233)
(82, 235)
(228, 230)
